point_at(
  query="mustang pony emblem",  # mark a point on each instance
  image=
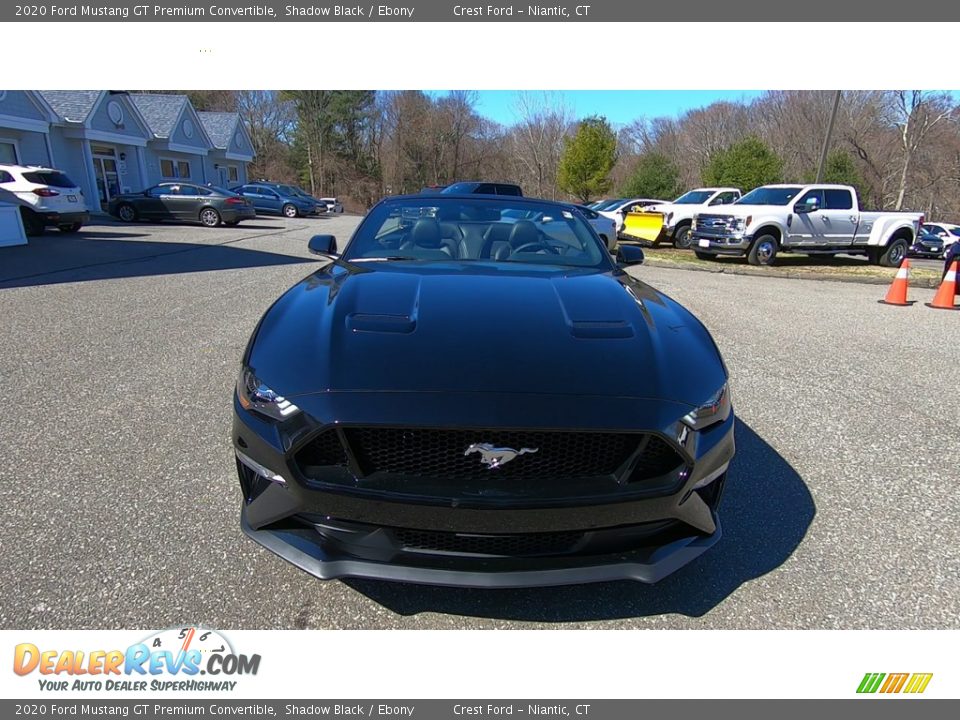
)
(494, 457)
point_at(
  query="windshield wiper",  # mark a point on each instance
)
(388, 258)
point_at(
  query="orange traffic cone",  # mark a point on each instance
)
(943, 300)
(897, 294)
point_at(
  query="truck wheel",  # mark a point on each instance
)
(683, 237)
(704, 255)
(763, 251)
(894, 254)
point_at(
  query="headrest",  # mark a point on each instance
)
(426, 233)
(524, 232)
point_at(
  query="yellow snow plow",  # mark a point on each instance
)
(643, 226)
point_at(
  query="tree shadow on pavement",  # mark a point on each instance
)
(765, 514)
(103, 255)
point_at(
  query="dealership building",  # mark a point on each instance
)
(111, 142)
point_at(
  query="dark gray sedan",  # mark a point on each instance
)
(186, 202)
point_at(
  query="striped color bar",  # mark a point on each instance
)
(918, 682)
(894, 683)
(870, 683)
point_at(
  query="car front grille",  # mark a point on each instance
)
(443, 453)
(715, 224)
(655, 459)
(532, 463)
(324, 450)
(525, 545)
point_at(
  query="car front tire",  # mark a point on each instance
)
(683, 237)
(763, 251)
(290, 211)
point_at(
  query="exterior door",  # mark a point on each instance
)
(182, 202)
(838, 217)
(269, 199)
(108, 177)
(806, 228)
(151, 207)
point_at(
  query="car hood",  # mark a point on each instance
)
(483, 328)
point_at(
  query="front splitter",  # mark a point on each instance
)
(311, 555)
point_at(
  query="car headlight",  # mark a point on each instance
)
(714, 410)
(257, 397)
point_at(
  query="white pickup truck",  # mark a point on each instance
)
(806, 219)
(678, 215)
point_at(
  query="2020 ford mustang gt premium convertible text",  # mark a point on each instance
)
(468, 397)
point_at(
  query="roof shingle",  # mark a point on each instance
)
(72, 105)
(160, 111)
(220, 127)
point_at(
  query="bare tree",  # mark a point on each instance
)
(537, 140)
(918, 113)
(271, 122)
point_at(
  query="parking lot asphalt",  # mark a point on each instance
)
(120, 347)
(934, 264)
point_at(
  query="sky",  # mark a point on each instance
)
(618, 106)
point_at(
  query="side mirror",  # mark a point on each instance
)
(804, 208)
(325, 245)
(629, 255)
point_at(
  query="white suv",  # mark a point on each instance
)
(46, 197)
(333, 205)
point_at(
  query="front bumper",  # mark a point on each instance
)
(351, 530)
(717, 244)
(307, 550)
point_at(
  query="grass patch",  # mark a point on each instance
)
(816, 266)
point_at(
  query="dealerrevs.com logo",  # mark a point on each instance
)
(173, 659)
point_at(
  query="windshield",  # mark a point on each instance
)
(492, 230)
(769, 196)
(53, 178)
(694, 197)
(610, 204)
(461, 187)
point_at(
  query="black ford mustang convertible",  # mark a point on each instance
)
(475, 393)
